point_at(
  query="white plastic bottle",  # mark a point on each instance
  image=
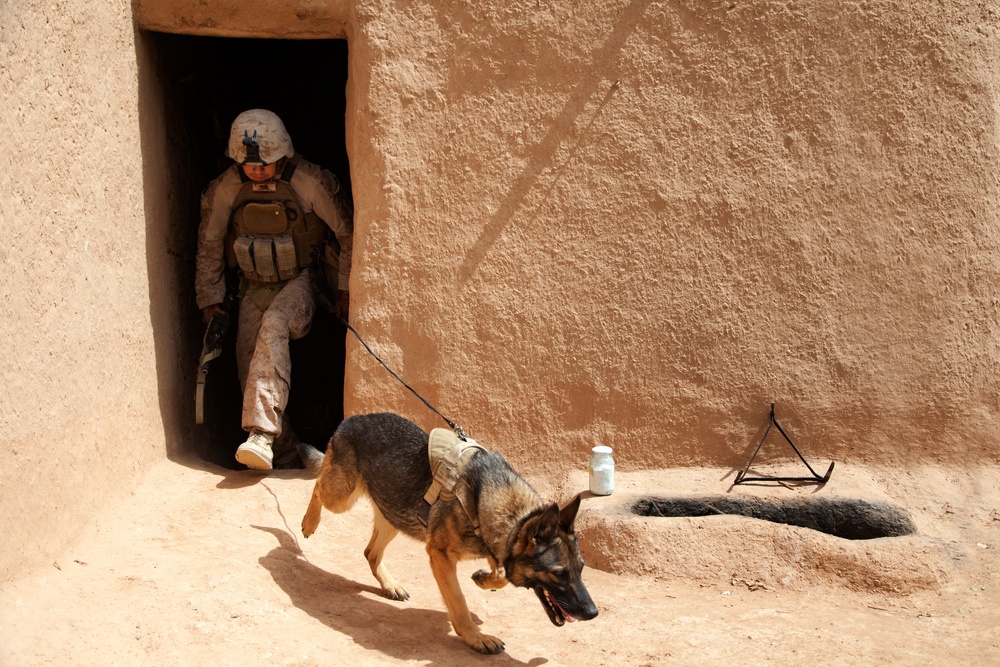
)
(602, 471)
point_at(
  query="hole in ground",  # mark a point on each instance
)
(848, 518)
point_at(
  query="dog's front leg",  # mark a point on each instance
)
(492, 580)
(444, 566)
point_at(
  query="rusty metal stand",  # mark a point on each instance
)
(815, 478)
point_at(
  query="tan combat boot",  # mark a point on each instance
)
(256, 453)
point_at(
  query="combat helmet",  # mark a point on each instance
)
(259, 137)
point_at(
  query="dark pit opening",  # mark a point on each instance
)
(203, 84)
(847, 518)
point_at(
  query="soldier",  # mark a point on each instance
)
(267, 216)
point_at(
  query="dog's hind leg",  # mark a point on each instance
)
(382, 534)
(336, 490)
(444, 566)
(310, 520)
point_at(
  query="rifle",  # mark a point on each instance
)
(211, 346)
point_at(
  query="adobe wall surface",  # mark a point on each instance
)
(639, 223)
(80, 412)
(626, 223)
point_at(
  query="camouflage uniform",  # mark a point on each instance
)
(271, 314)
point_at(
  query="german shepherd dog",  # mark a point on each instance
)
(525, 541)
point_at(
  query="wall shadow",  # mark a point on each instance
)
(594, 81)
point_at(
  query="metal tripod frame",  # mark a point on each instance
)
(815, 478)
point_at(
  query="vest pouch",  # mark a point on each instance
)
(265, 218)
(243, 249)
(308, 237)
(287, 260)
(263, 260)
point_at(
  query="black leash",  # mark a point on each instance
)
(454, 427)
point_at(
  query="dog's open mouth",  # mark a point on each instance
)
(556, 613)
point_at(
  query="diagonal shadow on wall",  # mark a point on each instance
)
(600, 70)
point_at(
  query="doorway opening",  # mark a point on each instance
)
(205, 83)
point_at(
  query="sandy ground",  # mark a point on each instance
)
(208, 566)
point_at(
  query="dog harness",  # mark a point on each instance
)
(448, 457)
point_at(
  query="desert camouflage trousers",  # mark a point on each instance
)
(269, 318)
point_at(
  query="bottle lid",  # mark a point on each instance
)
(601, 449)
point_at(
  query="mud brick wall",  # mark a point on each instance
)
(631, 223)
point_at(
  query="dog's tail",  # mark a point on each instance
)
(311, 457)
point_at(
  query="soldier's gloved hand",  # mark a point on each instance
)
(343, 305)
(208, 312)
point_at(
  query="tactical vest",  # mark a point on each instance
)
(270, 238)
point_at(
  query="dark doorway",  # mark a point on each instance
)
(206, 82)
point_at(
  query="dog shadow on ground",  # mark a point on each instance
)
(397, 629)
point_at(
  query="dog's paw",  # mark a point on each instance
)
(488, 580)
(486, 644)
(395, 592)
(310, 520)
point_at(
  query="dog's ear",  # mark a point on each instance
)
(567, 515)
(549, 522)
(539, 529)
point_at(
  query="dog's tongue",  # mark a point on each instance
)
(569, 619)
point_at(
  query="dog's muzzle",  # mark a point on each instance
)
(562, 611)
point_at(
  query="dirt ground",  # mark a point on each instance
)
(208, 566)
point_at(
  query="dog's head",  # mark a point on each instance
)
(546, 558)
